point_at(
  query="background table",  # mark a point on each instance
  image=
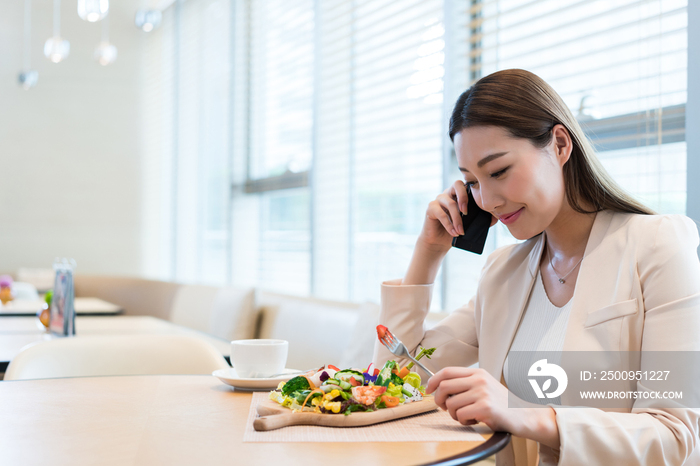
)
(17, 332)
(83, 306)
(173, 420)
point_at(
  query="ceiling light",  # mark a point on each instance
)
(56, 48)
(148, 20)
(28, 78)
(105, 53)
(93, 10)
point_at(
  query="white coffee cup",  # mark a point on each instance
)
(258, 358)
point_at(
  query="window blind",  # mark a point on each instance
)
(281, 80)
(281, 86)
(157, 110)
(186, 120)
(379, 144)
(330, 119)
(619, 65)
(202, 125)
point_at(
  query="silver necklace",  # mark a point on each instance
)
(561, 279)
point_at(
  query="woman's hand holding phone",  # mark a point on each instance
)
(443, 222)
(444, 217)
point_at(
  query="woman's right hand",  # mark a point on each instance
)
(443, 222)
(443, 219)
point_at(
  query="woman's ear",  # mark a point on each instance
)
(562, 143)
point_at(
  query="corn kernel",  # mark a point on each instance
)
(334, 393)
(333, 406)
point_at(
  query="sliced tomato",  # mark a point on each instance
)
(331, 366)
(390, 401)
(354, 382)
(367, 394)
(381, 331)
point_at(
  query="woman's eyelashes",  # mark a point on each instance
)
(499, 173)
(495, 175)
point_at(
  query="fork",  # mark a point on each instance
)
(394, 345)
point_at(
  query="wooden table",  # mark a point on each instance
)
(17, 332)
(83, 307)
(173, 420)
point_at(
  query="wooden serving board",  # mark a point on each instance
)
(272, 416)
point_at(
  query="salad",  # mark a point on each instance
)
(330, 390)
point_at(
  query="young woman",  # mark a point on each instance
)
(597, 271)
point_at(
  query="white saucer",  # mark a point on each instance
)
(229, 377)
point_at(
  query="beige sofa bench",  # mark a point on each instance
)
(319, 331)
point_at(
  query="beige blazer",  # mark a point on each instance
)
(638, 288)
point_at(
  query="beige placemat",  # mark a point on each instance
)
(435, 426)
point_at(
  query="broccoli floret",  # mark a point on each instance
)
(396, 379)
(295, 384)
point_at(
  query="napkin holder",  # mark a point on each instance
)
(62, 315)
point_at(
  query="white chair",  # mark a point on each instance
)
(24, 290)
(228, 313)
(42, 279)
(115, 355)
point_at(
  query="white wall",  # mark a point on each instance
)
(70, 171)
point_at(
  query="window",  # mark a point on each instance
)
(295, 146)
(186, 144)
(379, 140)
(280, 71)
(619, 65)
(621, 68)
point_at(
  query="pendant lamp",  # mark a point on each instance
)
(28, 77)
(56, 48)
(148, 20)
(105, 53)
(93, 10)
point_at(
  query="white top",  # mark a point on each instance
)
(542, 328)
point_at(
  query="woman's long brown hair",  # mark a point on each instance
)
(527, 107)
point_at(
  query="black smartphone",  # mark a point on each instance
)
(476, 226)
